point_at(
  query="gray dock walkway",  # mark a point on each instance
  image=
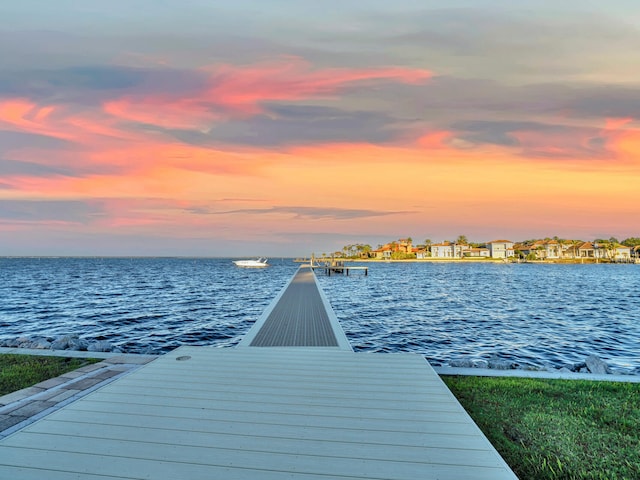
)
(298, 411)
(299, 316)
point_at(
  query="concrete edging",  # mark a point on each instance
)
(45, 352)
(487, 372)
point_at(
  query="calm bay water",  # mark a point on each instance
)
(532, 315)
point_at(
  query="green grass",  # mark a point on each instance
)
(557, 429)
(22, 371)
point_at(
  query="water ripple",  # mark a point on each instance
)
(531, 315)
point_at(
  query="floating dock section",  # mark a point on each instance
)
(302, 407)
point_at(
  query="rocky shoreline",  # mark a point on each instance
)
(591, 364)
(65, 342)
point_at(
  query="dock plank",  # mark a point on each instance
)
(300, 316)
(198, 431)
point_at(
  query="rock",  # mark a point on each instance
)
(565, 370)
(461, 363)
(23, 342)
(583, 370)
(596, 365)
(10, 343)
(61, 343)
(79, 344)
(100, 346)
(578, 366)
(499, 364)
(40, 343)
(481, 364)
(534, 368)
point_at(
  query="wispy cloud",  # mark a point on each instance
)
(233, 91)
(303, 212)
(59, 211)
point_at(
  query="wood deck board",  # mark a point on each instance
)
(253, 452)
(79, 465)
(299, 318)
(199, 431)
(346, 408)
(437, 400)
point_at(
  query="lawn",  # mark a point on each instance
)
(557, 429)
(21, 371)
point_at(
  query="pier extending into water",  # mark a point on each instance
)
(292, 402)
(300, 316)
(333, 266)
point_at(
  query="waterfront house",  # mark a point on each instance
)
(552, 249)
(386, 251)
(477, 252)
(570, 248)
(501, 248)
(523, 249)
(383, 252)
(447, 250)
(539, 249)
(587, 250)
(622, 252)
(404, 245)
(547, 249)
(441, 250)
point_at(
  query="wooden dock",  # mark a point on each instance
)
(309, 409)
(299, 316)
(338, 267)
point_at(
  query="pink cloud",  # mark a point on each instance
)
(623, 139)
(565, 143)
(163, 111)
(23, 115)
(435, 139)
(240, 90)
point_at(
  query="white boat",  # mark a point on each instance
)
(259, 263)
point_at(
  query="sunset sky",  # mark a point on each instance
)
(286, 127)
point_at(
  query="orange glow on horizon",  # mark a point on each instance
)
(143, 179)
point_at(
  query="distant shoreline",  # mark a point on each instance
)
(576, 261)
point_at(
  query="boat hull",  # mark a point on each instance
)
(260, 263)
